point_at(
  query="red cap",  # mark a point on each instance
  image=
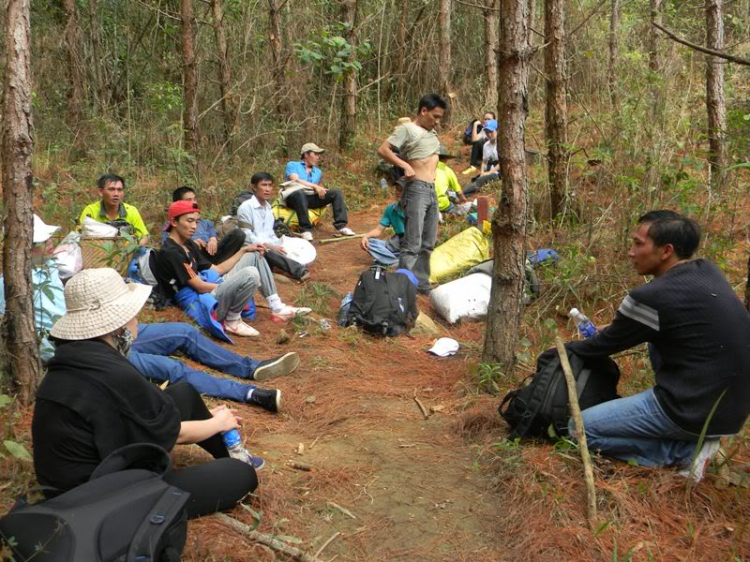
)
(179, 208)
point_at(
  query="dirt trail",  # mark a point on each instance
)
(410, 483)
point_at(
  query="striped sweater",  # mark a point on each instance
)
(701, 332)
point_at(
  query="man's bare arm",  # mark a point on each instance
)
(386, 153)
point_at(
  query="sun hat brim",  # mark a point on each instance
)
(103, 319)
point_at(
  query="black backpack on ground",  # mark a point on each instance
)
(126, 512)
(383, 303)
(542, 402)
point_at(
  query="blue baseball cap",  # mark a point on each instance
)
(490, 125)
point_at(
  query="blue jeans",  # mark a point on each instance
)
(636, 428)
(155, 342)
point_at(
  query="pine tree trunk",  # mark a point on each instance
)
(556, 107)
(444, 53)
(349, 100)
(75, 95)
(654, 125)
(715, 104)
(532, 21)
(509, 221)
(96, 65)
(490, 52)
(278, 60)
(20, 359)
(400, 66)
(614, 19)
(190, 79)
(225, 73)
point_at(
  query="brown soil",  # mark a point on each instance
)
(411, 483)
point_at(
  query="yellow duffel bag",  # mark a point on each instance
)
(290, 217)
(459, 254)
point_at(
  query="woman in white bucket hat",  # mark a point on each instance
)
(93, 401)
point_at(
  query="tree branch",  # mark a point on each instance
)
(706, 50)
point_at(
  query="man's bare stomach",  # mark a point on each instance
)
(424, 169)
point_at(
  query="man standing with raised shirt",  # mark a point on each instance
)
(419, 145)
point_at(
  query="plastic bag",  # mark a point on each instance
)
(457, 255)
(468, 297)
(299, 250)
(69, 256)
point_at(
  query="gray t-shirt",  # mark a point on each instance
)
(414, 142)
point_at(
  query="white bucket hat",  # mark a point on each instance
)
(98, 302)
(42, 231)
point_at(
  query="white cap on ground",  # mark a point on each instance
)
(444, 347)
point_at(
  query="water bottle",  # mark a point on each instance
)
(383, 183)
(233, 442)
(344, 310)
(585, 326)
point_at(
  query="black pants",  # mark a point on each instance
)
(229, 245)
(300, 202)
(476, 185)
(279, 261)
(216, 485)
(476, 153)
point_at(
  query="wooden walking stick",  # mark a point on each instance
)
(575, 408)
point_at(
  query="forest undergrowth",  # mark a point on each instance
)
(522, 501)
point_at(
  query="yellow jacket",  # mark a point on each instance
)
(445, 179)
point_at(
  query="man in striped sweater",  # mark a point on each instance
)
(699, 337)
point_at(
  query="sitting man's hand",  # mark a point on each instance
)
(461, 198)
(200, 243)
(365, 243)
(212, 246)
(260, 248)
(320, 191)
(278, 248)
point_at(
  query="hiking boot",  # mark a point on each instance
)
(305, 276)
(306, 236)
(346, 231)
(469, 170)
(241, 329)
(269, 400)
(289, 312)
(276, 367)
(697, 470)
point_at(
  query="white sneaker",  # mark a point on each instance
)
(241, 329)
(697, 470)
(289, 312)
(346, 231)
(306, 236)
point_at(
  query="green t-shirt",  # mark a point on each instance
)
(393, 216)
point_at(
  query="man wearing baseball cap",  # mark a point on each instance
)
(307, 173)
(179, 264)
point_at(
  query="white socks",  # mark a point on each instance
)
(274, 301)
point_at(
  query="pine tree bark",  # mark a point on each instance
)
(400, 66)
(509, 220)
(75, 74)
(278, 59)
(715, 103)
(189, 79)
(614, 22)
(96, 65)
(654, 126)
(225, 73)
(349, 100)
(490, 52)
(20, 359)
(444, 53)
(556, 107)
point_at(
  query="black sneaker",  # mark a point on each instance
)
(276, 367)
(267, 399)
